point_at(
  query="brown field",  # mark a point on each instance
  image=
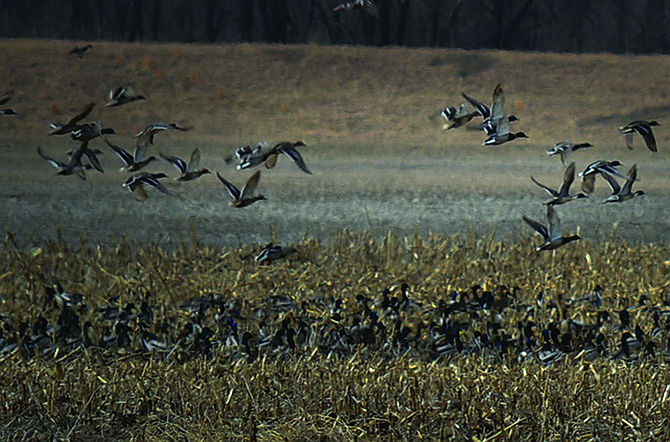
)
(435, 210)
(320, 391)
(370, 118)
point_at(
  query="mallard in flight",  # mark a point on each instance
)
(122, 95)
(248, 157)
(644, 129)
(562, 195)
(246, 196)
(552, 236)
(189, 171)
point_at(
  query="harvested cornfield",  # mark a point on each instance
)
(361, 337)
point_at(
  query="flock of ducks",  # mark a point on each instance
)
(495, 123)
(467, 322)
(85, 158)
(492, 324)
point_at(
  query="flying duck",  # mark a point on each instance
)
(89, 131)
(625, 192)
(146, 135)
(553, 238)
(91, 154)
(502, 134)
(73, 124)
(457, 117)
(80, 50)
(497, 109)
(4, 98)
(246, 196)
(562, 195)
(497, 112)
(599, 167)
(644, 129)
(564, 149)
(135, 184)
(248, 157)
(74, 166)
(188, 171)
(133, 162)
(122, 95)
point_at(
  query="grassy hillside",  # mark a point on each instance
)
(332, 96)
(370, 117)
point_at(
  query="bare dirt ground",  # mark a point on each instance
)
(370, 119)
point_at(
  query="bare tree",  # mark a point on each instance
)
(641, 26)
(215, 16)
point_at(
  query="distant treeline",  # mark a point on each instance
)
(620, 26)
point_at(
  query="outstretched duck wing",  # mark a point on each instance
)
(194, 161)
(498, 106)
(554, 224)
(232, 190)
(125, 156)
(5, 97)
(81, 115)
(549, 190)
(293, 154)
(568, 179)
(250, 187)
(616, 188)
(55, 163)
(178, 162)
(647, 133)
(539, 228)
(632, 177)
(483, 109)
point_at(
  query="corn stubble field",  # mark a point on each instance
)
(393, 201)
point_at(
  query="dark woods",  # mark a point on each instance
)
(620, 26)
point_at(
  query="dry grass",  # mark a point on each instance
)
(372, 393)
(337, 96)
